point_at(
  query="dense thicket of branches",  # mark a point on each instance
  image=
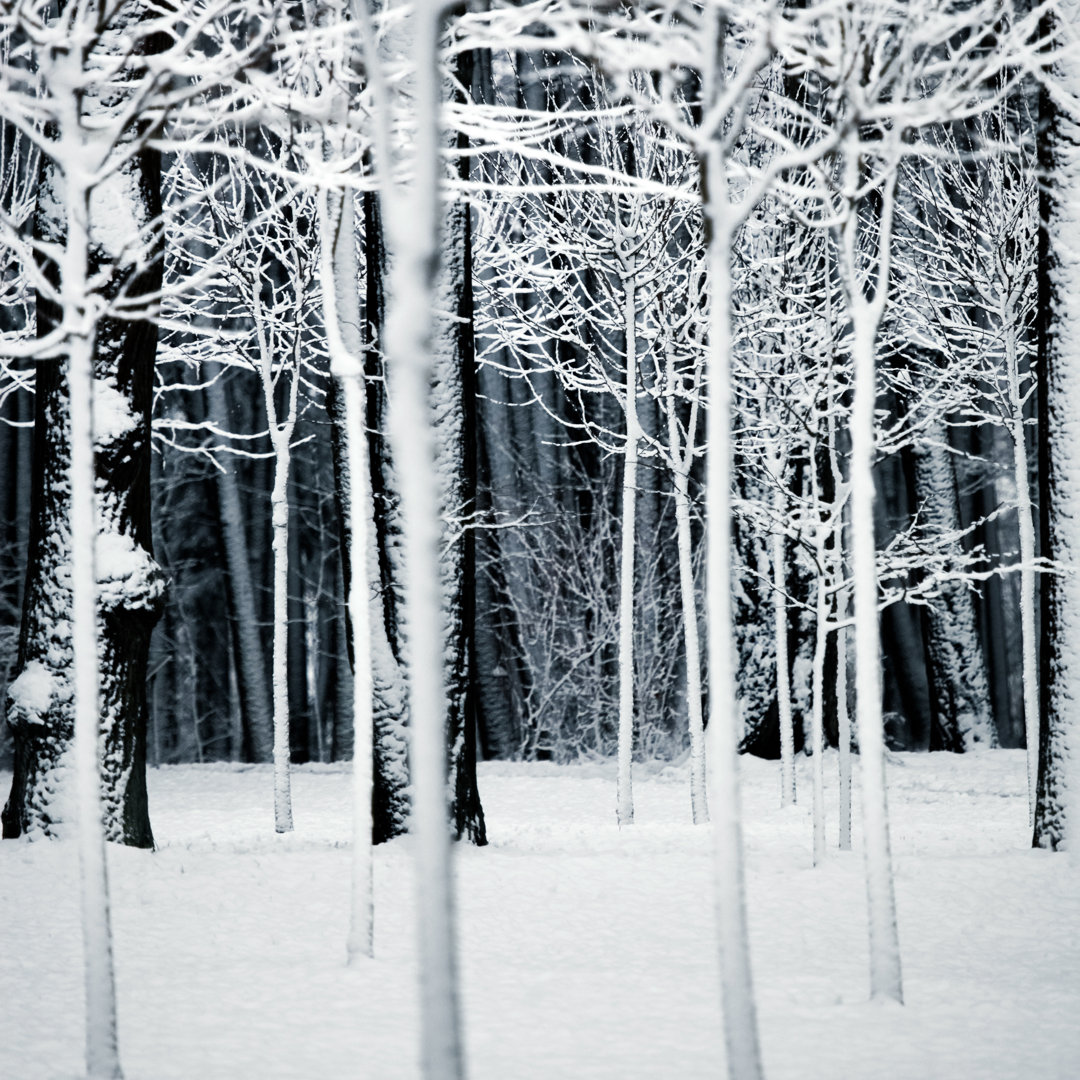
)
(574, 248)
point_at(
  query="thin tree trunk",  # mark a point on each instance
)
(737, 993)
(340, 287)
(780, 630)
(885, 977)
(821, 634)
(279, 504)
(624, 793)
(681, 471)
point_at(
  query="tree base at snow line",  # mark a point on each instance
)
(466, 812)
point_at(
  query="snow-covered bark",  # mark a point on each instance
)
(118, 207)
(1057, 809)
(625, 794)
(390, 794)
(390, 797)
(885, 977)
(843, 727)
(102, 1051)
(739, 1010)
(821, 634)
(780, 631)
(682, 458)
(959, 688)
(340, 280)
(454, 404)
(411, 215)
(454, 408)
(281, 432)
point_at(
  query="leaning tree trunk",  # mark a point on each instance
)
(130, 584)
(1057, 813)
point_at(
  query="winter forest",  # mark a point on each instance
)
(539, 540)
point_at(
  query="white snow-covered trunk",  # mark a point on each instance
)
(843, 727)
(279, 503)
(780, 631)
(412, 226)
(102, 1051)
(102, 1054)
(699, 805)
(340, 285)
(625, 794)
(1026, 526)
(361, 937)
(885, 976)
(885, 979)
(736, 983)
(817, 713)
(281, 433)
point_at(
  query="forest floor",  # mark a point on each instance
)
(586, 952)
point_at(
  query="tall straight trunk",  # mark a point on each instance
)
(301, 719)
(279, 519)
(102, 1050)
(255, 705)
(96, 590)
(682, 462)
(821, 635)
(454, 395)
(625, 796)
(340, 280)
(885, 976)
(780, 630)
(961, 718)
(130, 584)
(838, 572)
(410, 344)
(737, 993)
(1057, 807)
(1026, 528)
(843, 725)
(390, 790)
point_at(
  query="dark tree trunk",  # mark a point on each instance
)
(254, 683)
(455, 397)
(129, 600)
(1059, 482)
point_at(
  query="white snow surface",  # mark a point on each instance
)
(587, 952)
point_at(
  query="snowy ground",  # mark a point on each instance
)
(586, 953)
